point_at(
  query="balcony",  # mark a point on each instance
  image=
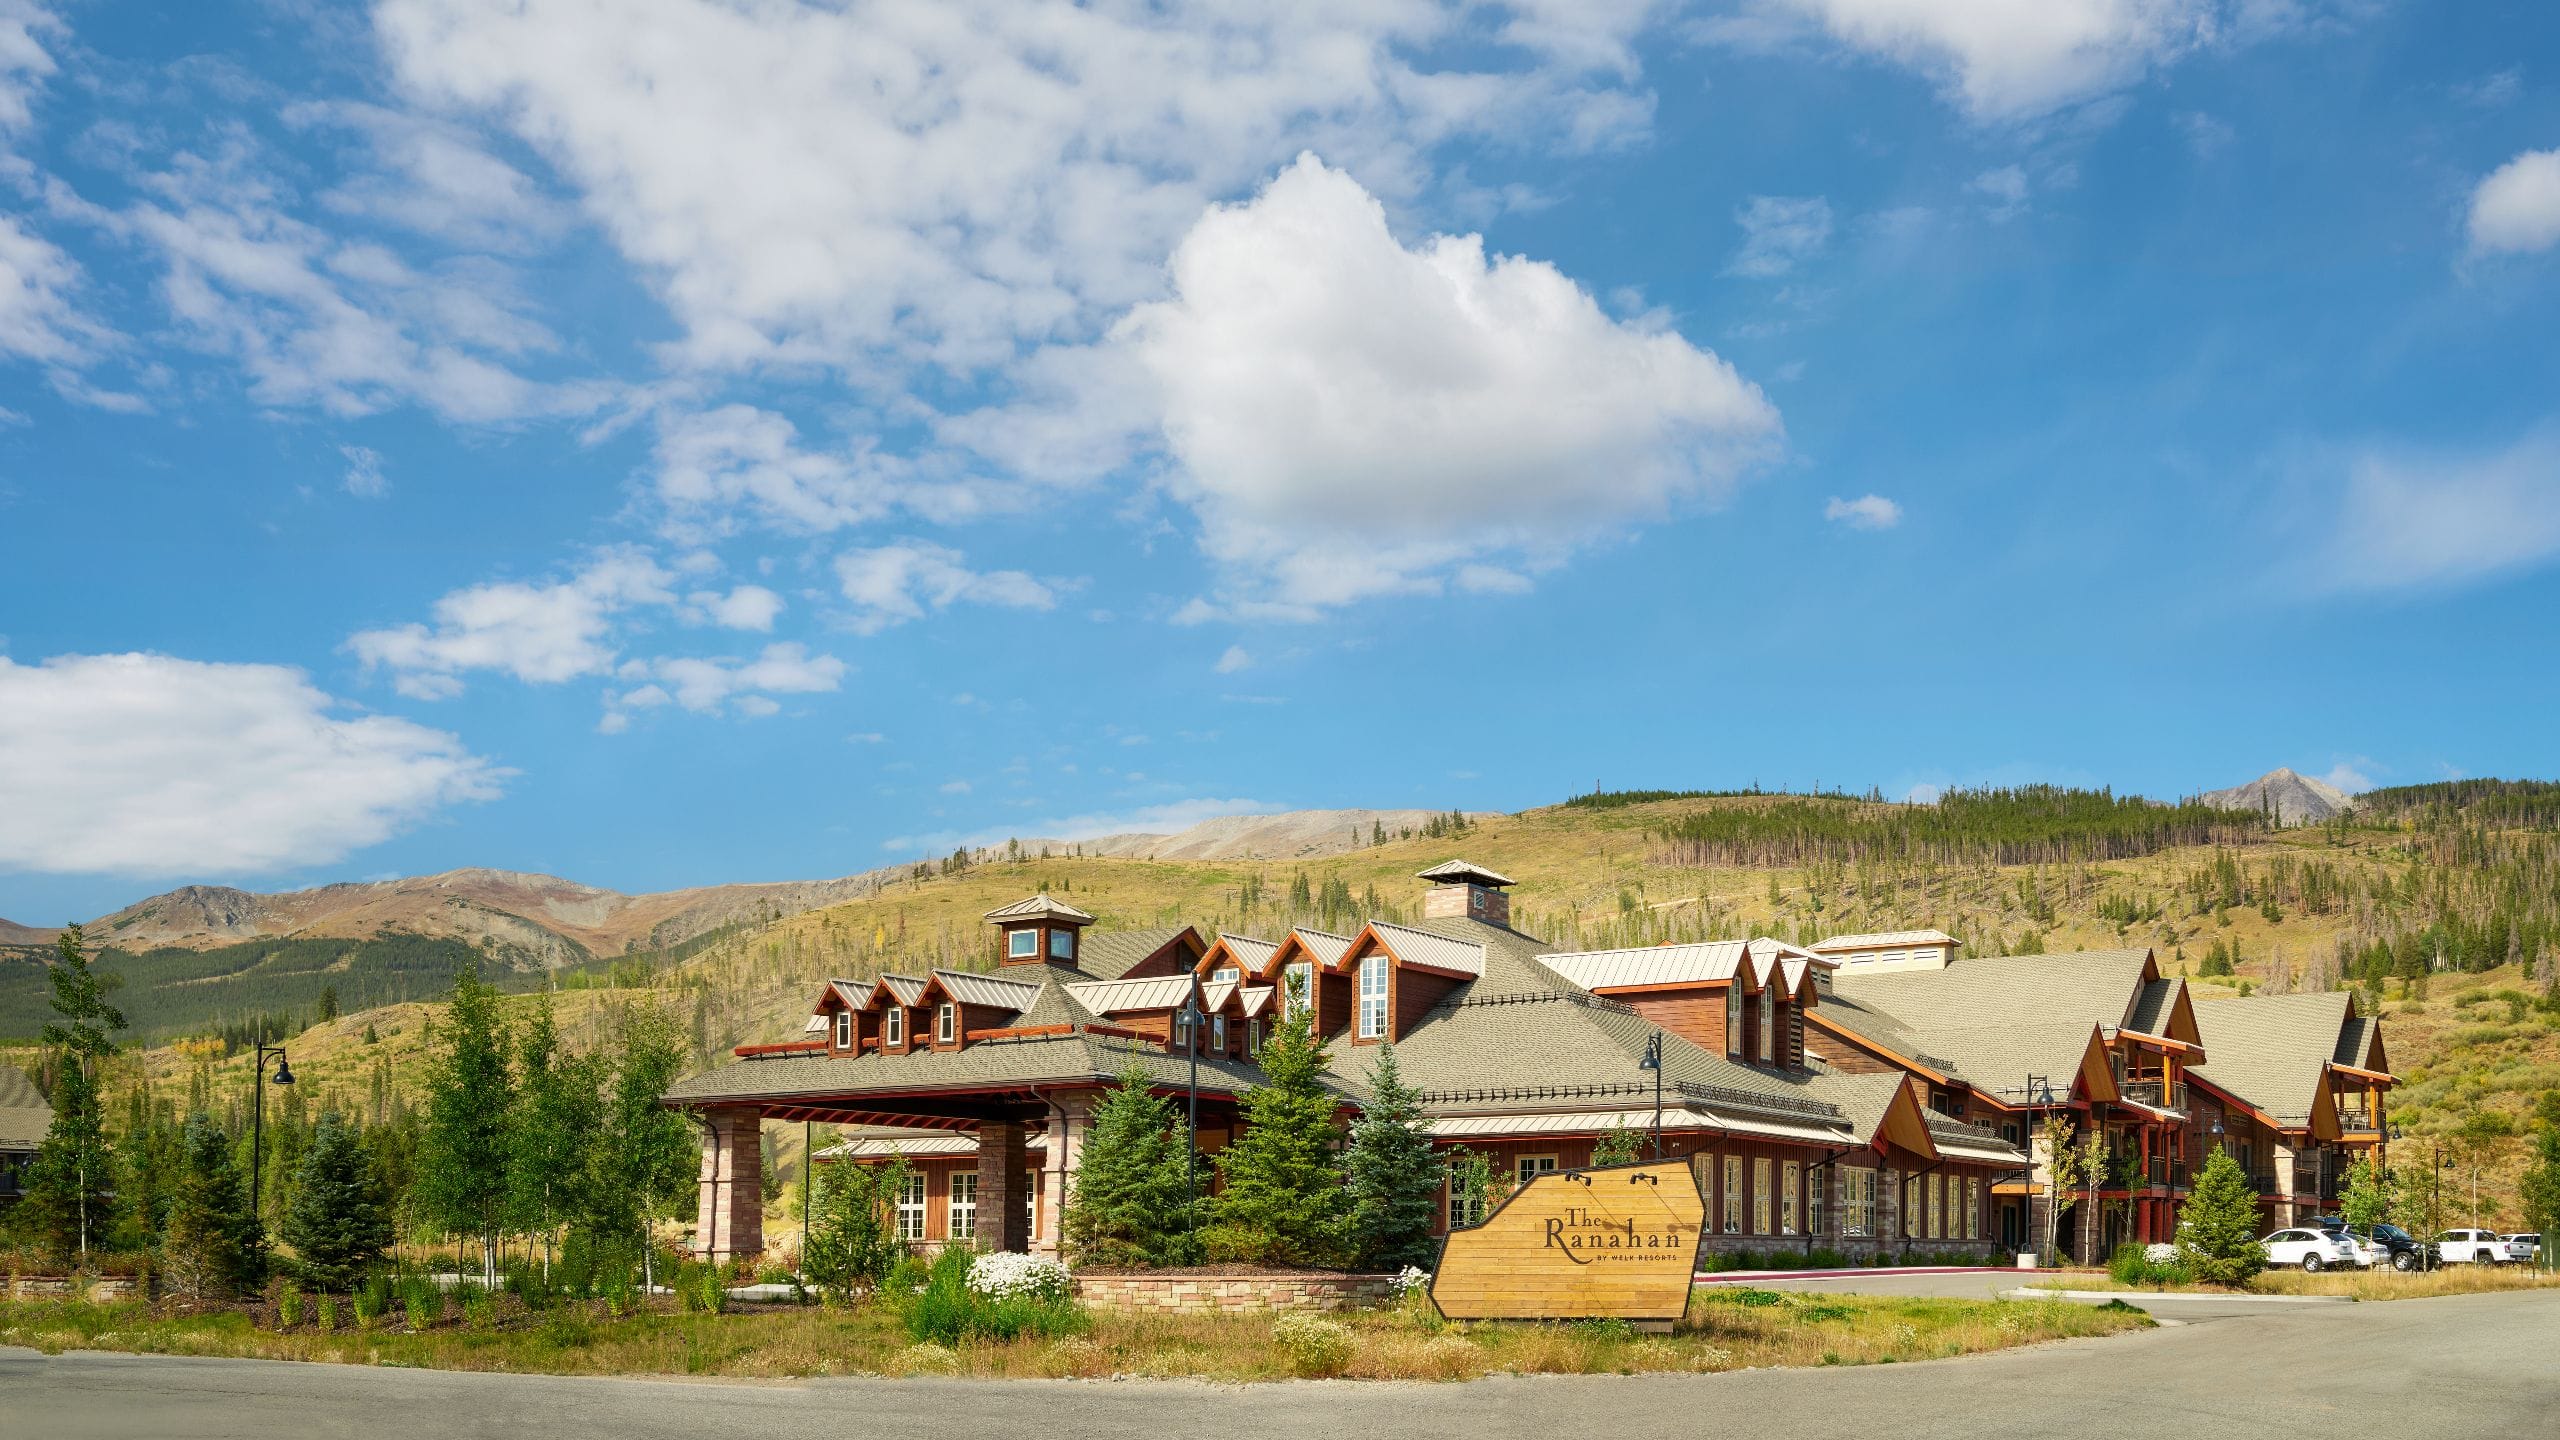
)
(2170, 1095)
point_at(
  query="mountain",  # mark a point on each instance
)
(2294, 799)
(13, 933)
(1291, 835)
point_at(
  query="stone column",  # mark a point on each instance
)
(730, 1221)
(1004, 1178)
(1070, 1116)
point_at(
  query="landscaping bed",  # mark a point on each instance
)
(2376, 1284)
(1725, 1329)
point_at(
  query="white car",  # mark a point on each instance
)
(2480, 1247)
(2313, 1250)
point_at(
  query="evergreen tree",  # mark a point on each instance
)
(212, 1249)
(462, 1172)
(559, 1108)
(1283, 1201)
(338, 1224)
(1130, 1203)
(852, 1241)
(69, 1202)
(2540, 1190)
(2218, 1230)
(645, 1158)
(1394, 1179)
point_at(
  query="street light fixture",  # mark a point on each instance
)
(1653, 1061)
(259, 1081)
(1190, 1018)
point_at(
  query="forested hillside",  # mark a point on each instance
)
(2441, 904)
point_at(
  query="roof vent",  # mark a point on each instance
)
(1463, 891)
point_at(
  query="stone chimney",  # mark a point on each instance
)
(1460, 891)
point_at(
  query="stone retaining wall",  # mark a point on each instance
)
(1315, 1291)
(56, 1287)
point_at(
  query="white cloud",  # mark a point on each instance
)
(715, 465)
(954, 787)
(747, 607)
(2004, 190)
(940, 181)
(2347, 776)
(38, 319)
(1780, 232)
(1236, 658)
(541, 634)
(433, 177)
(24, 63)
(2517, 209)
(704, 685)
(146, 764)
(1492, 580)
(866, 737)
(892, 584)
(1352, 417)
(2416, 520)
(1867, 512)
(364, 478)
(2004, 60)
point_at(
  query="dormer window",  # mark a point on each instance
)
(1062, 945)
(844, 1029)
(893, 1027)
(1373, 996)
(1218, 1034)
(1225, 972)
(1253, 1037)
(1182, 1029)
(946, 1022)
(1733, 1020)
(1769, 1025)
(1022, 945)
(1297, 989)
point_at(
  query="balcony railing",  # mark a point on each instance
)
(2158, 1094)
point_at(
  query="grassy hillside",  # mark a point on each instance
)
(2442, 902)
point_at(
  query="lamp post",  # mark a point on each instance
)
(258, 1082)
(1653, 1061)
(1191, 1019)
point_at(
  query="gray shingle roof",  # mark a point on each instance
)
(2152, 1010)
(1054, 1059)
(24, 1115)
(2271, 1050)
(1110, 954)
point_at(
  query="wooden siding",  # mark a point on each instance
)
(1694, 1014)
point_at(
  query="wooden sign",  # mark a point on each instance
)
(1620, 1241)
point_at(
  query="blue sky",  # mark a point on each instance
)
(670, 442)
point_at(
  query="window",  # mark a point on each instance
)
(1937, 1217)
(1769, 1025)
(1021, 944)
(963, 1212)
(1297, 989)
(1533, 1166)
(1031, 1207)
(1225, 972)
(911, 1208)
(1253, 1036)
(1373, 996)
(1733, 1018)
(1973, 1207)
(1218, 1034)
(1760, 1196)
(1911, 1216)
(1733, 1194)
(1817, 1184)
(946, 1022)
(1466, 1203)
(844, 1028)
(893, 1026)
(1181, 1029)
(1857, 1203)
(1787, 1202)
(1062, 945)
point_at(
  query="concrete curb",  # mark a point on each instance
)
(1736, 1277)
(2135, 1296)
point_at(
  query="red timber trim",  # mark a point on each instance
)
(1837, 1031)
(787, 1047)
(1019, 1032)
(1096, 1027)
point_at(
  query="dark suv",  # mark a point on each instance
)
(2406, 1250)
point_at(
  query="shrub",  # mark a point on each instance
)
(371, 1299)
(1076, 1359)
(1313, 1345)
(702, 1289)
(422, 1300)
(325, 1314)
(288, 1305)
(2146, 1265)
(947, 1310)
(853, 1245)
(1412, 1280)
(2218, 1236)
(1004, 1274)
(928, 1359)
(479, 1309)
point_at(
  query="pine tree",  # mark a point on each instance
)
(1394, 1180)
(338, 1224)
(1283, 1201)
(212, 1249)
(2540, 1189)
(1131, 1200)
(462, 1172)
(2218, 1229)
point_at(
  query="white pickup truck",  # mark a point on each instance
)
(2479, 1247)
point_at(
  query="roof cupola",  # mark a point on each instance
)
(1461, 890)
(1040, 931)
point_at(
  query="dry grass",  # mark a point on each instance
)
(2361, 1284)
(1725, 1329)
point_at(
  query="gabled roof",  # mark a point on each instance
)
(1883, 940)
(1039, 907)
(1113, 997)
(909, 989)
(842, 1082)
(24, 1115)
(1001, 992)
(1415, 946)
(1215, 994)
(2273, 1051)
(1249, 953)
(1111, 954)
(1462, 872)
(2096, 986)
(1258, 998)
(2153, 1008)
(1324, 947)
(1701, 963)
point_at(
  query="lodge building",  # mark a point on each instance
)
(1879, 1096)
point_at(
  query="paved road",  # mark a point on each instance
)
(2407, 1370)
